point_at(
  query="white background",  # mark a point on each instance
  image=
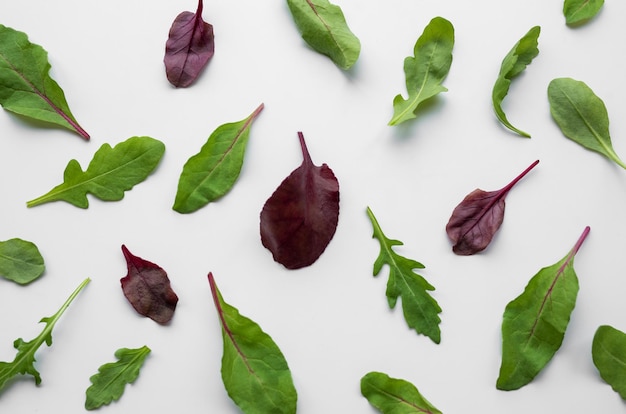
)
(331, 320)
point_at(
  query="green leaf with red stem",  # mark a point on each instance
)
(394, 396)
(254, 370)
(534, 323)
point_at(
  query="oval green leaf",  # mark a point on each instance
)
(394, 396)
(20, 261)
(579, 11)
(609, 356)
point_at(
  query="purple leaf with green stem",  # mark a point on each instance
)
(478, 217)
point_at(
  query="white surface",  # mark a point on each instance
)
(331, 320)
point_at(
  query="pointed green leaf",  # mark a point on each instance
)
(254, 370)
(394, 396)
(24, 362)
(579, 11)
(111, 172)
(609, 356)
(524, 51)
(534, 323)
(582, 116)
(426, 70)
(212, 172)
(323, 26)
(421, 311)
(20, 261)
(26, 87)
(109, 383)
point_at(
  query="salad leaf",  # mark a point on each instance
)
(608, 350)
(524, 51)
(26, 87)
(579, 11)
(394, 396)
(20, 261)
(426, 70)
(299, 219)
(109, 383)
(189, 47)
(582, 116)
(24, 362)
(534, 323)
(212, 172)
(148, 289)
(421, 311)
(111, 172)
(478, 217)
(254, 370)
(323, 26)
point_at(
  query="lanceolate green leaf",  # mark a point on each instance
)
(24, 362)
(421, 311)
(426, 70)
(323, 26)
(111, 172)
(254, 370)
(212, 172)
(609, 356)
(394, 396)
(534, 323)
(579, 11)
(109, 383)
(513, 64)
(26, 87)
(582, 116)
(20, 261)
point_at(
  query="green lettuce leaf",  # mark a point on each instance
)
(26, 87)
(20, 261)
(608, 351)
(394, 396)
(579, 11)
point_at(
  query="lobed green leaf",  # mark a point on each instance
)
(111, 172)
(426, 70)
(394, 396)
(582, 116)
(20, 261)
(323, 26)
(608, 351)
(26, 87)
(109, 383)
(520, 56)
(579, 11)
(420, 310)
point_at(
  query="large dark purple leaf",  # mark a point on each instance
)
(299, 219)
(189, 47)
(147, 288)
(477, 218)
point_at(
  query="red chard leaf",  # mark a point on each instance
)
(147, 288)
(300, 218)
(478, 217)
(189, 47)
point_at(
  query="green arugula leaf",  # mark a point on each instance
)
(520, 56)
(26, 87)
(111, 172)
(534, 323)
(579, 11)
(582, 116)
(254, 370)
(323, 26)
(394, 396)
(109, 383)
(419, 308)
(20, 261)
(426, 70)
(24, 362)
(608, 351)
(212, 172)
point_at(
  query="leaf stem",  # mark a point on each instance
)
(199, 10)
(510, 185)
(305, 150)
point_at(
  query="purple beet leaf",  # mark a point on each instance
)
(478, 217)
(299, 219)
(147, 288)
(189, 47)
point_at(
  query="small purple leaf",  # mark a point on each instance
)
(300, 218)
(147, 288)
(478, 217)
(189, 47)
